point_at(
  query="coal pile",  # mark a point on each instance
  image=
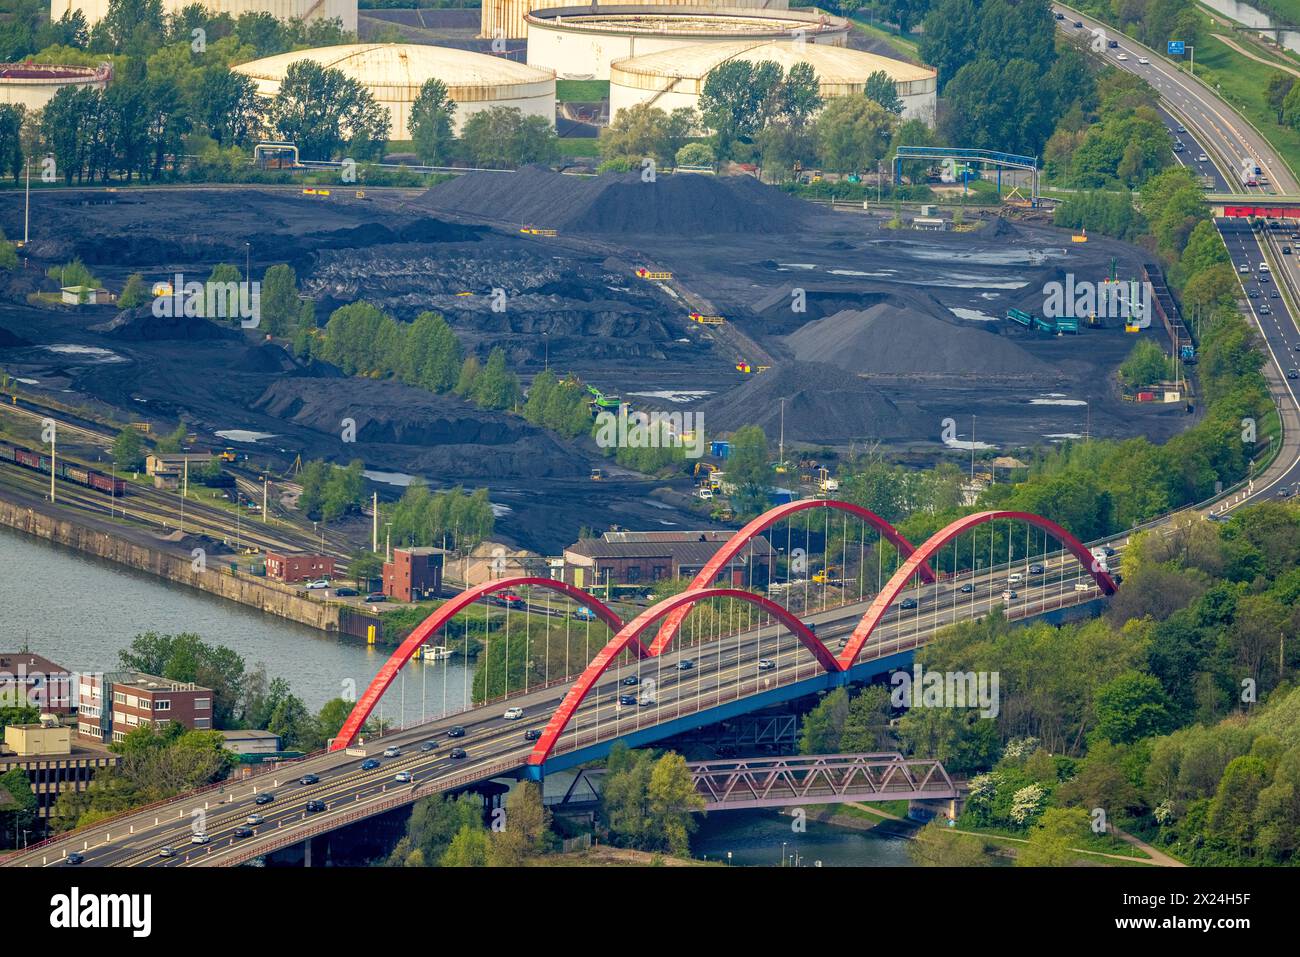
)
(672, 205)
(893, 339)
(823, 404)
(9, 340)
(141, 325)
(266, 357)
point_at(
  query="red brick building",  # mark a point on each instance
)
(643, 558)
(298, 566)
(28, 679)
(113, 705)
(414, 574)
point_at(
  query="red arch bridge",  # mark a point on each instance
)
(811, 595)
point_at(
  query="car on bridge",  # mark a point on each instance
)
(1144, 61)
(456, 732)
(1035, 569)
(1122, 56)
(166, 852)
(402, 777)
(1015, 578)
(243, 832)
(427, 746)
(74, 858)
(627, 699)
(1292, 374)
(200, 838)
(254, 819)
(315, 807)
(369, 764)
(513, 714)
(1009, 595)
(908, 603)
(309, 779)
(583, 613)
(631, 680)
(1084, 586)
(1202, 158)
(456, 754)
(266, 797)
(510, 599)
(967, 588)
(392, 751)
(532, 734)
(685, 664)
(766, 664)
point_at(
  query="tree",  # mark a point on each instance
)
(638, 132)
(1146, 365)
(1130, 707)
(749, 471)
(434, 823)
(884, 91)
(853, 133)
(1051, 840)
(431, 122)
(325, 111)
(501, 136)
(823, 726)
(279, 300)
(527, 828)
(469, 848)
(673, 800)
(128, 451)
(866, 725)
(134, 293)
(733, 98)
(496, 387)
(936, 846)
(11, 140)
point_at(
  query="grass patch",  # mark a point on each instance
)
(901, 43)
(574, 146)
(581, 91)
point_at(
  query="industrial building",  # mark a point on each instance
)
(394, 73)
(30, 680)
(33, 85)
(298, 566)
(308, 11)
(674, 78)
(414, 574)
(115, 704)
(643, 558)
(52, 760)
(507, 19)
(577, 44)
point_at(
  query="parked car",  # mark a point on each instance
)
(513, 714)
(315, 807)
(456, 753)
(266, 797)
(319, 583)
(346, 592)
(456, 732)
(376, 597)
(369, 764)
(392, 751)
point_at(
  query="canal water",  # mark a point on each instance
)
(1249, 16)
(759, 838)
(80, 611)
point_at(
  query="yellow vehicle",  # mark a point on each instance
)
(706, 320)
(1080, 237)
(644, 273)
(534, 231)
(827, 574)
(597, 475)
(228, 455)
(1130, 325)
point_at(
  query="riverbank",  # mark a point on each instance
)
(116, 544)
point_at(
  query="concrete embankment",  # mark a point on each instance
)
(214, 576)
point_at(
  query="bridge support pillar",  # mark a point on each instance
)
(306, 853)
(943, 809)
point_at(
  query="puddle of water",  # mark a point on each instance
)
(90, 352)
(400, 479)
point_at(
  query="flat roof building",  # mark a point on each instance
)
(113, 705)
(414, 574)
(633, 558)
(30, 680)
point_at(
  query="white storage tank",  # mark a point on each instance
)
(674, 78)
(32, 85)
(306, 10)
(506, 19)
(394, 73)
(580, 44)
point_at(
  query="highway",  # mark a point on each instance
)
(1211, 128)
(723, 669)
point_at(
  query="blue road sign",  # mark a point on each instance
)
(1177, 47)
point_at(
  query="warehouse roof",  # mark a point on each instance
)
(685, 548)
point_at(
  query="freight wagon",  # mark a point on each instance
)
(39, 462)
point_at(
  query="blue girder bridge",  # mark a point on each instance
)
(994, 158)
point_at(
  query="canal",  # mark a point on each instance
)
(80, 612)
(759, 838)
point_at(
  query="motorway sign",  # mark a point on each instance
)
(1177, 47)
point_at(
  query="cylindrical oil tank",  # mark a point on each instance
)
(32, 85)
(306, 10)
(505, 19)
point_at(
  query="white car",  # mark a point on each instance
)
(1082, 586)
(1144, 61)
(1122, 56)
(1008, 595)
(254, 819)
(766, 664)
(319, 583)
(200, 839)
(393, 752)
(513, 714)
(403, 777)
(1202, 158)
(1015, 578)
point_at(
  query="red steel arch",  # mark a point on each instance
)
(375, 690)
(742, 538)
(628, 635)
(932, 545)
